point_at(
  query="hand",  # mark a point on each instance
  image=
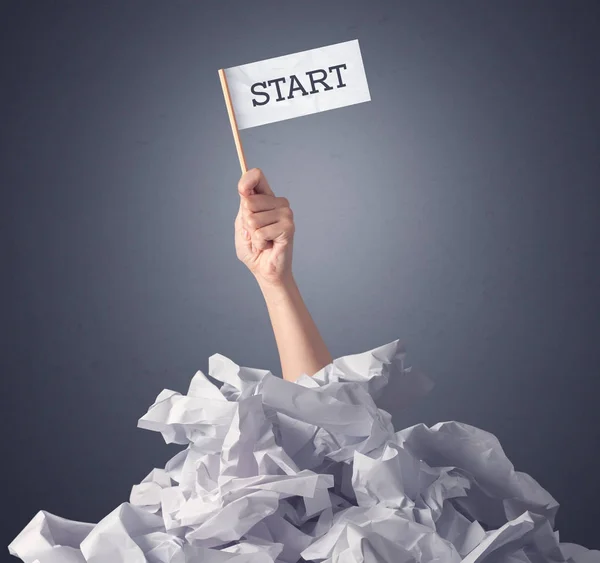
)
(264, 230)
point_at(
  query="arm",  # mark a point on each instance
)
(300, 345)
(264, 236)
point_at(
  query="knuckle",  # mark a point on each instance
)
(286, 215)
(252, 222)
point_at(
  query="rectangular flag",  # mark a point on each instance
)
(297, 84)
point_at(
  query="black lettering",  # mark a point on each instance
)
(293, 88)
(321, 80)
(276, 81)
(252, 89)
(339, 74)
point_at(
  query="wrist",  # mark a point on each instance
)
(278, 290)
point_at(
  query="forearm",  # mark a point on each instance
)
(300, 345)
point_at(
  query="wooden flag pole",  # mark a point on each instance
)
(234, 128)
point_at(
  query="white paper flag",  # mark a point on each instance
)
(297, 84)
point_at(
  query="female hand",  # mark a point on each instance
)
(264, 230)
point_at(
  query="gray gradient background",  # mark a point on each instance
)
(457, 211)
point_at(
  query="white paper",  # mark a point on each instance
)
(297, 84)
(272, 471)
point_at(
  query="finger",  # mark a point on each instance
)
(254, 182)
(241, 227)
(261, 202)
(263, 218)
(281, 230)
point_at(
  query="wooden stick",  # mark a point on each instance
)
(234, 128)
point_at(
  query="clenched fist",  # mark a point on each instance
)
(264, 230)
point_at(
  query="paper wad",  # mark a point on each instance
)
(272, 471)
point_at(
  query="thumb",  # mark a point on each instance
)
(254, 182)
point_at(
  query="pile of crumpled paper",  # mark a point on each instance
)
(275, 471)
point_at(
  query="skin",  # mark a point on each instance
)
(264, 241)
